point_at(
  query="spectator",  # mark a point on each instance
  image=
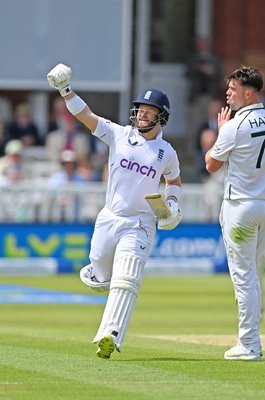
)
(65, 203)
(208, 129)
(22, 127)
(207, 138)
(67, 137)
(205, 74)
(5, 109)
(12, 173)
(211, 120)
(69, 171)
(86, 170)
(57, 114)
(2, 139)
(11, 165)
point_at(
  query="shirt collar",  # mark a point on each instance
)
(135, 139)
(159, 135)
(249, 108)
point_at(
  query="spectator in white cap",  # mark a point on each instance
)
(11, 165)
(69, 171)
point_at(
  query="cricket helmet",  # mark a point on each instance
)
(155, 98)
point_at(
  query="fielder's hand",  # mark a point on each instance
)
(59, 78)
(224, 116)
(173, 220)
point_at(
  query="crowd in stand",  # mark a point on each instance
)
(35, 173)
(67, 154)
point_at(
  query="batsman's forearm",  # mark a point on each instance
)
(172, 192)
(89, 119)
(81, 111)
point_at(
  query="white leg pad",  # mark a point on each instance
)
(124, 288)
(86, 276)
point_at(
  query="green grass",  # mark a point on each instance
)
(174, 347)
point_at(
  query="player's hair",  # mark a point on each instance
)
(247, 76)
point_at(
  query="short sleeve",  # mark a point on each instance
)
(225, 142)
(172, 170)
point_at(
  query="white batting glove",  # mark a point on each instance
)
(59, 78)
(173, 220)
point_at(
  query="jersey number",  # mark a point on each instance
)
(257, 134)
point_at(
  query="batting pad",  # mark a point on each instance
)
(124, 288)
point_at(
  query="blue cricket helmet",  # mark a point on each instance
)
(155, 98)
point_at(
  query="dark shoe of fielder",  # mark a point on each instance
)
(106, 346)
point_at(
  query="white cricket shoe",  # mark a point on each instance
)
(87, 276)
(106, 346)
(241, 352)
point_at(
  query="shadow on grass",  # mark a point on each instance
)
(167, 359)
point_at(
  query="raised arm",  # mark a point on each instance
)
(59, 78)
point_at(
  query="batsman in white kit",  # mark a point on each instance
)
(124, 230)
(240, 146)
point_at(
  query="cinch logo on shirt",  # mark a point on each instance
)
(134, 166)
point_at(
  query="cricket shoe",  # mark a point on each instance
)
(241, 352)
(106, 346)
(87, 276)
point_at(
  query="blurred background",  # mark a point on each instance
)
(53, 172)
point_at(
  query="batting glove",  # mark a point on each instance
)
(173, 220)
(59, 78)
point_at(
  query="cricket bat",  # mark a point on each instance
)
(158, 205)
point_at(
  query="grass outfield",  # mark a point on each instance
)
(174, 346)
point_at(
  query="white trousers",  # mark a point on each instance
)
(243, 227)
(115, 237)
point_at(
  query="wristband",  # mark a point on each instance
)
(65, 91)
(172, 192)
(75, 105)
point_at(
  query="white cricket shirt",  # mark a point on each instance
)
(135, 167)
(241, 144)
